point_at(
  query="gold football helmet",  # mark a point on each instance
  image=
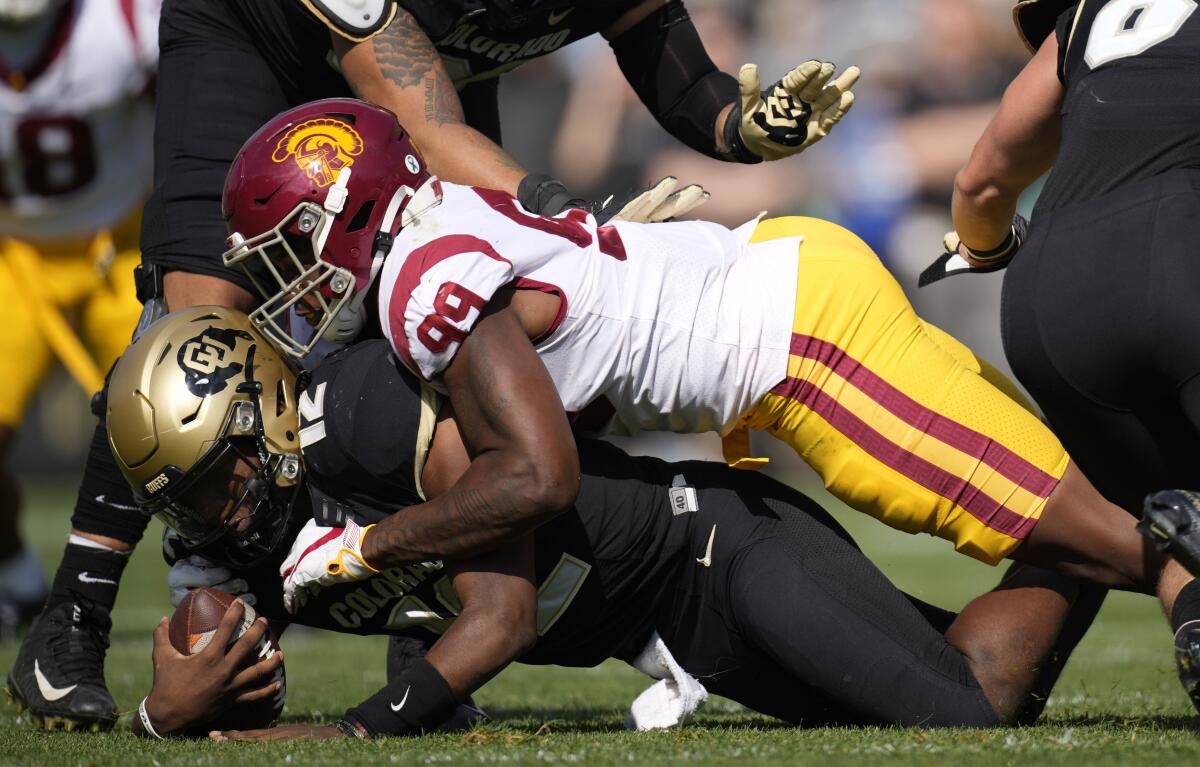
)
(202, 421)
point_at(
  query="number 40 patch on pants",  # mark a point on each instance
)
(683, 498)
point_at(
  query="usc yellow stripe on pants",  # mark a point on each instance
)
(895, 415)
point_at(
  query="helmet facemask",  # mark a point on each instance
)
(234, 506)
(291, 274)
(288, 271)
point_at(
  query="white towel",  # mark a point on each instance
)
(672, 700)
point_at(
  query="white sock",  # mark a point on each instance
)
(88, 543)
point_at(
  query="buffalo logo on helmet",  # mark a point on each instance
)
(321, 147)
(206, 360)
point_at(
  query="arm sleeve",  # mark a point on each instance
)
(664, 60)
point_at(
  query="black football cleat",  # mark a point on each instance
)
(59, 672)
(1187, 659)
(1171, 520)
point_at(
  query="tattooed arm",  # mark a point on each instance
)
(516, 464)
(399, 69)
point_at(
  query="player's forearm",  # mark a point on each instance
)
(982, 212)
(498, 620)
(1018, 145)
(462, 155)
(496, 500)
(665, 63)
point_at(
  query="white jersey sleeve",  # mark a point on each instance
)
(448, 264)
(443, 288)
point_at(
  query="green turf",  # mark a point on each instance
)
(1118, 702)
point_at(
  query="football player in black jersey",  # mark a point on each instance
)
(753, 588)
(1100, 295)
(228, 66)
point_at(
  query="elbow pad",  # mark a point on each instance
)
(664, 60)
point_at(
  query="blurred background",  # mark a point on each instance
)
(933, 71)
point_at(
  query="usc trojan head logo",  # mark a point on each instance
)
(207, 360)
(321, 147)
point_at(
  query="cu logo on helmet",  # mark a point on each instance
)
(320, 147)
(207, 360)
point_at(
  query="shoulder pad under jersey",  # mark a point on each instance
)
(1035, 19)
(355, 20)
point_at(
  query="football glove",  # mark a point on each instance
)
(791, 115)
(952, 262)
(196, 572)
(661, 202)
(320, 557)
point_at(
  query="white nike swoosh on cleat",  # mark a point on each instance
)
(400, 705)
(707, 560)
(557, 16)
(101, 499)
(84, 578)
(49, 691)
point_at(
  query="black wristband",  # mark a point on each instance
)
(416, 700)
(545, 195)
(733, 137)
(1011, 242)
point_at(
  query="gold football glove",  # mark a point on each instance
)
(795, 112)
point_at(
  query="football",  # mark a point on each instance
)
(191, 630)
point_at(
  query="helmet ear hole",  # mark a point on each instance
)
(361, 217)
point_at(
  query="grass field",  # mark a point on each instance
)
(1118, 702)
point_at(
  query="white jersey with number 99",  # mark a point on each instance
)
(680, 326)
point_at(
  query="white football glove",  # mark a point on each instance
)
(320, 557)
(794, 113)
(196, 572)
(661, 202)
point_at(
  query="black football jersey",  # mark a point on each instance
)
(1132, 75)
(478, 43)
(602, 568)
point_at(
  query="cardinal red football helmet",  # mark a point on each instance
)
(317, 195)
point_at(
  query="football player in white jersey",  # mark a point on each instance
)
(787, 325)
(76, 120)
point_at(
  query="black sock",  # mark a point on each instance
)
(89, 573)
(1187, 605)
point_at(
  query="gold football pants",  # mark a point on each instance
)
(72, 300)
(900, 420)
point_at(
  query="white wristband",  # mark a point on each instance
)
(145, 717)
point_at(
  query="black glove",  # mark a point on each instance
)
(545, 195)
(951, 261)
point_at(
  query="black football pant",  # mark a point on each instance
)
(796, 623)
(1101, 320)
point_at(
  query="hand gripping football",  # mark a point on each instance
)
(191, 630)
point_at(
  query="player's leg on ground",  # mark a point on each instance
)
(900, 428)
(838, 631)
(1017, 638)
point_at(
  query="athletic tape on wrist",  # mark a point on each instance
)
(417, 700)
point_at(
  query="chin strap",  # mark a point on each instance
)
(334, 203)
